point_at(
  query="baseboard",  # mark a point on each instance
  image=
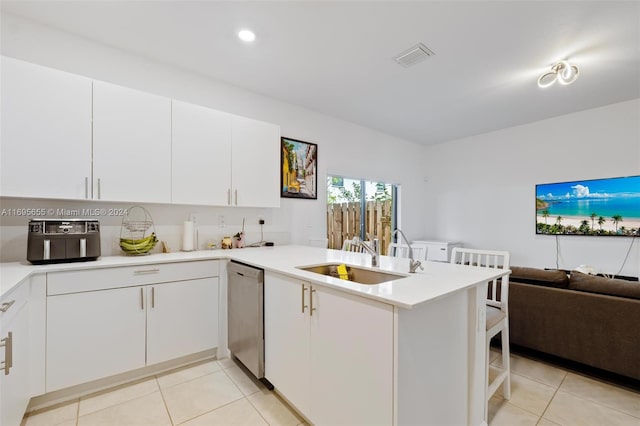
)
(63, 396)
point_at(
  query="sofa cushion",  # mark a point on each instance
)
(547, 278)
(602, 285)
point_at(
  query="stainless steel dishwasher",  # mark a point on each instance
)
(245, 315)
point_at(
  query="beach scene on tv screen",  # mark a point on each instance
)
(607, 207)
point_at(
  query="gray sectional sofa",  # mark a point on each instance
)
(590, 320)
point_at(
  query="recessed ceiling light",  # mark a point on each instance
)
(247, 36)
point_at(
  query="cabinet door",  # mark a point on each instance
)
(131, 145)
(15, 387)
(93, 335)
(182, 318)
(201, 155)
(255, 163)
(286, 336)
(351, 350)
(46, 132)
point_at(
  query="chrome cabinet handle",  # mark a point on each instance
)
(229, 196)
(146, 271)
(6, 305)
(153, 297)
(99, 192)
(311, 302)
(303, 305)
(236, 197)
(141, 298)
(86, 187)
(7, 342)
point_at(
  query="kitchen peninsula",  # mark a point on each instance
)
(406, 351)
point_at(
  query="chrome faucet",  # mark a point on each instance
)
(375, 256)
(413, 264)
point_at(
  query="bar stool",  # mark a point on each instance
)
(497, 312)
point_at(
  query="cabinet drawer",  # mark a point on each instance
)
(126, 276)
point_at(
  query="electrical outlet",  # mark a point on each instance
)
(221, 221)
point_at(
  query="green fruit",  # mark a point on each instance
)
(139, 241)
(143, 246)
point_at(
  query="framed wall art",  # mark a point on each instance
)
(298, 166)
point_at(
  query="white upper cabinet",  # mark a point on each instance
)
(256, 163)
(131, 145)
(222, 159)
(201, 155)
(46, 132)
(67, 136)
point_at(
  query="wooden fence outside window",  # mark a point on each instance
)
(343, 222)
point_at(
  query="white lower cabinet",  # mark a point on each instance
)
(100, 333)
(329, 353)
(286, 338)
(21, 348)
(14, 358)
(93, 335)
(182, 318)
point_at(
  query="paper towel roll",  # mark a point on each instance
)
(187, 236)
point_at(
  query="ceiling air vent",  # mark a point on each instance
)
(413, 55)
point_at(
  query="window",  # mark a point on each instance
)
(362, 208)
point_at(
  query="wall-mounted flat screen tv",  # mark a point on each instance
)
(603, 207)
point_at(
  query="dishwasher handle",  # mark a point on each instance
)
(245, 271)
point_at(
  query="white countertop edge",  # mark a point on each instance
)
(13, 273)
(305, 276)
(423, 287)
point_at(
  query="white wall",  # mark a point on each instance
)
(481, 189)
(343, 148)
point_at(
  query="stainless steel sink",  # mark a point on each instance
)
(356, 274)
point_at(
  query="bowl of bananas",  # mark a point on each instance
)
(139, 246)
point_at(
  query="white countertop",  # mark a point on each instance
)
(435, 281)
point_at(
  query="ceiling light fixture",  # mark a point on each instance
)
(247, 36)
(563, 72)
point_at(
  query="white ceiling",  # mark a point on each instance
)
(336, 57)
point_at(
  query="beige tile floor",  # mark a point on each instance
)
(545, 395)
(222, 393)
(208, 393)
